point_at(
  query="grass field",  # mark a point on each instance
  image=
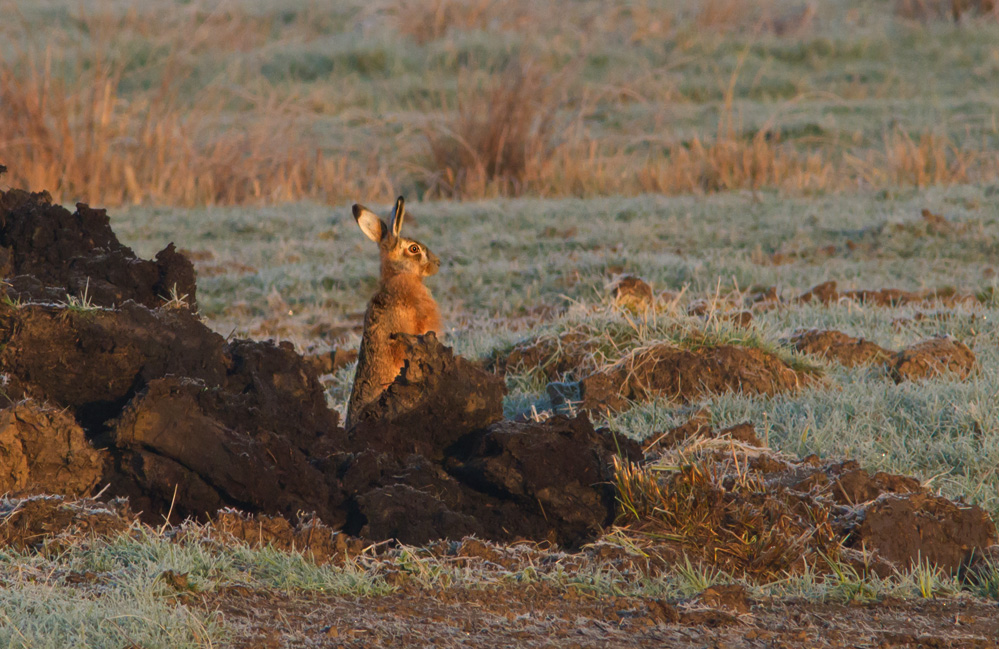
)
(711, 148)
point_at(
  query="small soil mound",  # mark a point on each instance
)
(932, 357)
(699, 425)
(631, 292)
(37, 521)
(828, 293)
(310, 537)
(568, 355)
(47, 253)
(436, 399)
(907, 529)
(686, 374)
(749, 511)
(175, 447)
(837, 346)
(43, 450)
(94, 360)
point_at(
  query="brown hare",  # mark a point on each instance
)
(401, 305)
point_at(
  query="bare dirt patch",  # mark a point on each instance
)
(538, 616)
(569, 355)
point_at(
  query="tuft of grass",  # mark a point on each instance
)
(502, 136)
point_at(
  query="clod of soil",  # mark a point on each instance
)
(932, 357)
(569, 355)
(29, 523)
(48, 253)
(432, 458)
(176, 448)
(837, 346)
(857, 486)
(906, 529)
(631, 292)
(310, 537)
(44, 450)
(828, 293)
(93, 360)
(686, 374)
(699, 425)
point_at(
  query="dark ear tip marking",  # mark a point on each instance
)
(356, 210)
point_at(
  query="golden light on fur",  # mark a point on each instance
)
(402, 305)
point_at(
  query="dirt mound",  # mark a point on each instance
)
(920, 527)
(436, 460)
(725, 500)
(933, 357)
(175, 447)
(47, 253)
(568, 355)
(699, 425)
(828, 293)
(94, 360)
(837, 346)
(29, 523)
(686, 374)
(631, 292)
(43, 450)
(331, 361)
(310, 537)
(436, 399)
(185, 423)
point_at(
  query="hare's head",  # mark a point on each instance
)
(399, 255)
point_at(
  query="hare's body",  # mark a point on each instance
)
(402, 305)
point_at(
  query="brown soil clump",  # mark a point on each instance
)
(906, 529)
(175, 447)
(631, 292)
(435, 459)
(828, 293)
(725, 500)
(37, 521)
(569, 355)
(43, 450)
(310, 537)
(686, 374)
(837, 346)
(94, 360)
(933, 357)
(47, 253)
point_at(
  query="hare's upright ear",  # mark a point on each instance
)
(370, 224)
(398, 214)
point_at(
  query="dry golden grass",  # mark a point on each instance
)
(503, 138)
(110, 113)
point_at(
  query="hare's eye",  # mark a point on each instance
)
(415, 249)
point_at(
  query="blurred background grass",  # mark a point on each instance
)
(205, 102)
